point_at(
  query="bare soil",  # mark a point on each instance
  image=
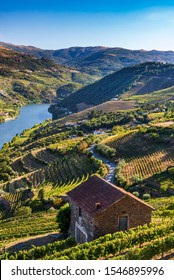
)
(28, 243)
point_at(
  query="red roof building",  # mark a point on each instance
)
(99, 207)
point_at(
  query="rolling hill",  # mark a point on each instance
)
(136, 80)
(27, 79)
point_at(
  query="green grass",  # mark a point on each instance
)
(156, 96)
(161, 202)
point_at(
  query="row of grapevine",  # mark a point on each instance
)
(11, 201)
(156, 248)
(39, 223)
(63, 171)
(111, 244)
(40, 251)
(146, 166)
(44, 155)
(143, 157)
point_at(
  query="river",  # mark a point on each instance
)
(29, 116)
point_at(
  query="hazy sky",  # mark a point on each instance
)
(61, 24)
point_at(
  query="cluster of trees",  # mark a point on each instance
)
(120, 179)
(108, 120)
(158, 134)
(5, 169)
(105, 150)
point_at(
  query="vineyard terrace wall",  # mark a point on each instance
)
(98, 207)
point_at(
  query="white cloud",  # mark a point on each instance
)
(161, 15)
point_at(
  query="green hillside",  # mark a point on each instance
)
(136, 80)
(26, 79)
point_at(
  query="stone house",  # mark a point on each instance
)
(99, 207)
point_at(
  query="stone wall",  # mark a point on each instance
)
(108, 221)
(84, 223)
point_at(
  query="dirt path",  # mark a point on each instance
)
(111, 165)
(27, 243)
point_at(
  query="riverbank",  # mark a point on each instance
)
(9, 112)
(10, 119)
(28, 116)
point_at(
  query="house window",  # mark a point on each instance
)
(123, 223)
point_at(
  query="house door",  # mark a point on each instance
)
(123, 223)
(80, 236)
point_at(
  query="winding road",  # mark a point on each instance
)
(111, 165)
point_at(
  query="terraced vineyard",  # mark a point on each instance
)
(33, 161)
(11, 201)
(117, 243)
(120, 245)
(146, 166)
(36, 224)
(65, 171)
(44, 156)
(143, 155)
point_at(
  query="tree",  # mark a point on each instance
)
(82, 146)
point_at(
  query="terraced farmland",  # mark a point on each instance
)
(133, 244)
(144, 155)
(9, 202)
(32, 161)
(36, 224)
(65, 171)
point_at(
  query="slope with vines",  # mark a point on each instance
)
(145, 153)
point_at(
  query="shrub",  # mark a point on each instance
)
(51, 210)
(58, 202)
(23, 211)
(171, 170)
(146, 196)
(36, 205)
(63, 218)
(136, 179)
(136, 194)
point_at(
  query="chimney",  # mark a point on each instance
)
(97, 205)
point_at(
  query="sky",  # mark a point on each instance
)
(58, 24)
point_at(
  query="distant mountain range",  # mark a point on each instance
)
(34, 74)
(98, 61)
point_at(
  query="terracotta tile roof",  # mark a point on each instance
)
(96, 194)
